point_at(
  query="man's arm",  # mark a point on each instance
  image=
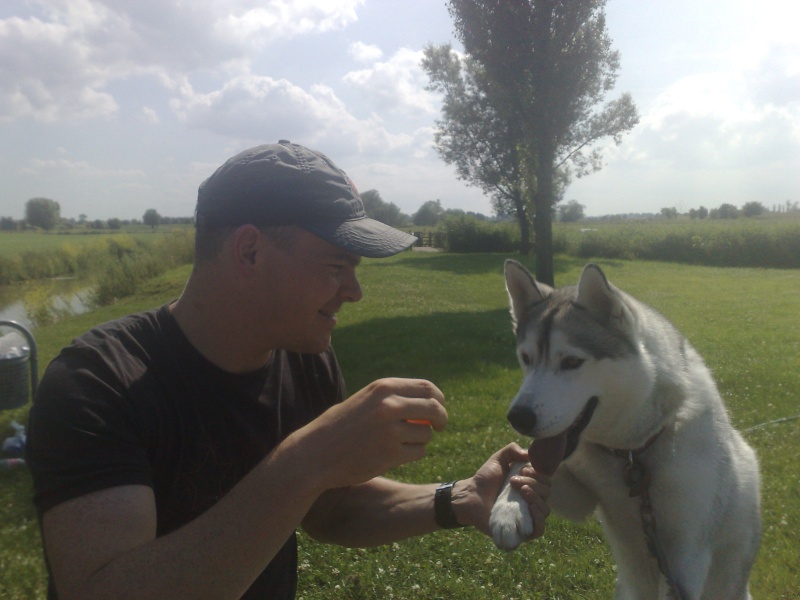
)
(382, 511)
(103, 545)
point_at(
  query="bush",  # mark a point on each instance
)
(466, 233)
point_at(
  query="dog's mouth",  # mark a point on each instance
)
(547, 453)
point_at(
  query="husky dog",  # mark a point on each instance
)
(627, 419)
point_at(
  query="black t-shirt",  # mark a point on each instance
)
(133, 402)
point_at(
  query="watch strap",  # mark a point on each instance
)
(443, 506)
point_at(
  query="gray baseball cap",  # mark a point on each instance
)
(288, 184)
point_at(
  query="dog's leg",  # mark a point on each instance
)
(511, 522)
(570, 497)
(690, 570)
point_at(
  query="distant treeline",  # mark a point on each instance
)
(72, 225)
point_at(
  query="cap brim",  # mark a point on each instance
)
(364, 237)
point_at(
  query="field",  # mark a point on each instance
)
(111, 258)
(444, 317)
(25, 241)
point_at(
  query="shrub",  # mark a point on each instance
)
(466, 233)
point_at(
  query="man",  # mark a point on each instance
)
(175, 452)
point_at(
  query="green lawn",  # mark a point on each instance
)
(445, 317)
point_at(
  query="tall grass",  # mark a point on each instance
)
(767, 243)
(444, 317)
(127, 265)
(26, 256)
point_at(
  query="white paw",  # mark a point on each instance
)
(511, 522)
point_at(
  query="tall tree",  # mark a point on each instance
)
(545, 66)
(476, 137)
(42, 212)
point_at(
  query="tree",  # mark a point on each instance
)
(700, 213)
(669, 212)
(385, 212)
(151, 218)
(482, 144)
(725, 211)
(753, 209)
(570, 212)
(541, 66)
(42, 212)
(429, 214)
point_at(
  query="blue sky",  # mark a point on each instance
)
(112, 107)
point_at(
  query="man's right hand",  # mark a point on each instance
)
(369, 433)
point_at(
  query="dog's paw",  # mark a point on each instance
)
(511, 522)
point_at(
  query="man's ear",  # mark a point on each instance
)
(244, 245)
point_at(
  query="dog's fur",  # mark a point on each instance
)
(654, 396)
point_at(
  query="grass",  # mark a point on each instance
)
(768, 242)
(14, 242)
(27, 256)
(444, 317)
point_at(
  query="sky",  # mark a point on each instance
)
(112, 107)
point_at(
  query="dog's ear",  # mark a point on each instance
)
(523, 290)
(598, 296)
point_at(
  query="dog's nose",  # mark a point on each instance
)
(522, 419)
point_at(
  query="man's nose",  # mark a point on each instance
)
(351, 288)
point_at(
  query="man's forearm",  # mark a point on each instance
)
(218, 555)
(374, 513)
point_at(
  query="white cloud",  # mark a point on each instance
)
(46, 75)
(362, 52)
(282, 18)
(258, 108)
(58, 64)
(396, 85)
(776, 78)
(81, 168)
(149, 115)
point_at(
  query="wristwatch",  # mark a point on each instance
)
(443, 507)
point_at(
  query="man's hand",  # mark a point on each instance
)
(474, 498)
(384, 425)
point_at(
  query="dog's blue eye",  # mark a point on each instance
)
(570, 363)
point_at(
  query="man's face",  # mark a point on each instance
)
(304, 284)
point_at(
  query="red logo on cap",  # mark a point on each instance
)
(352, 185)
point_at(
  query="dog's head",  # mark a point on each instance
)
(578, 350)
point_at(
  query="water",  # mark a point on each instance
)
(67, 295)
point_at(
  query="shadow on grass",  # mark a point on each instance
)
(439, 346)
(474, 264)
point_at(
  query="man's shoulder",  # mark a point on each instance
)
(134, 337)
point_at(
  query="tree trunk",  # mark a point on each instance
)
(543, 217)
(524, 223)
